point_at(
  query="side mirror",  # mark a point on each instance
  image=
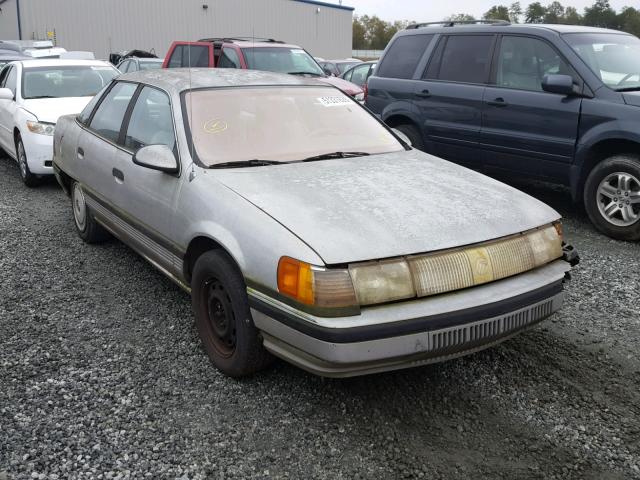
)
(327, 71)
(562, 84)
(402, 136)
(6, 94)
(156, 157)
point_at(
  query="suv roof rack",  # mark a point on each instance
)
(452, 23)
(240, 39)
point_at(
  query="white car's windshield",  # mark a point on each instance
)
(65, 81)
(281, 124)
(615, 58)
(150, 64)
(282, 60)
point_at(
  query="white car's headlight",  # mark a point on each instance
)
(41, 128)
(359, 97)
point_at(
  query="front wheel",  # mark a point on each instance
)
(612, 197)
(223, 318)
(88, 229)
(28, 178)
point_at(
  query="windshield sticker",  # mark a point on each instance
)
(334, 101)
(215, 126)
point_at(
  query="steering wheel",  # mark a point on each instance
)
(627, 77)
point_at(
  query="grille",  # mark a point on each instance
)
(466, 336)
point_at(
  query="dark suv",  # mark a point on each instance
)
(556, 102)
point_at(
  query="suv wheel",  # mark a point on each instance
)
(413, 134)
(612, 197)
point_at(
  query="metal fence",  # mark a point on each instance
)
(366, 53)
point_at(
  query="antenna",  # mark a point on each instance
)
(192, 174)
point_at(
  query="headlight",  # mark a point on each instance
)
(359, 97)
(379, 282)
(41, 128)
(315, 286)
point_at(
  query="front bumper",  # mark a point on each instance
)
(409, 334)
(39, 150)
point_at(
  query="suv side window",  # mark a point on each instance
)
(462, 58)
(107, 121)
(403, 56)
(229, 59)
(198, 55)
(524, 61)
(151, 122)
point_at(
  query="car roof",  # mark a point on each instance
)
(180, 79)
(55, 62)
(503, 27)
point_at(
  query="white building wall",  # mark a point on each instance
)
(8, 20)
(105, 26)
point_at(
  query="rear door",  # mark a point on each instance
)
(525, 129)
(450, 96)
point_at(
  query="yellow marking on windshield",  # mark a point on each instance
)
(215, 126)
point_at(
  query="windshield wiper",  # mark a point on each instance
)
(40, 96)
(316, 74)
(256, 162)
(328, 156)
(628, 89)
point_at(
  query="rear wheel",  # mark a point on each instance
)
(223, 318)
(28, 178)
(86, 226)
(413, 134)
(612, 197)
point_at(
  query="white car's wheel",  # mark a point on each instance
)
(28, 178)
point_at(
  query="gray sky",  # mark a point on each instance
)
(435, 10)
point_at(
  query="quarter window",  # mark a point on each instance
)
(107, 120)
(465, 59)
(403, 56)
(523, 62)
(229, 59)
(151, 122)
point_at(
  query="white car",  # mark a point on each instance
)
(33, 94)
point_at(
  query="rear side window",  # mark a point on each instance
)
(403, 56)
(189, 56)
(463, 58)
(107, 121)
(176, 57)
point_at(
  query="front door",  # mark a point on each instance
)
(525, 129)
(146, 198)
(449, 96)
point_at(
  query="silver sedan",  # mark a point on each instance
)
(302, 226)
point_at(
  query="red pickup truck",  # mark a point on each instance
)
(256, 54)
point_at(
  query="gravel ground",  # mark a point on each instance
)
(102, 376)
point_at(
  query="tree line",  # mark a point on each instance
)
(371, 32)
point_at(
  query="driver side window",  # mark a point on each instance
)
(151, 121)
(11, 80)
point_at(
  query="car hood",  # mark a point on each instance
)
(632, 98)
(49, 109)
(344, 85)
(388, 205)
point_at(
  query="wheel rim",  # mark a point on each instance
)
(619, 199)
(79, 207)
(22, 160)
(220, 317)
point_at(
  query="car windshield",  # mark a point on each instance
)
(615, 58)
(280, 124)
(149, 64)
(65, 81)
(281, 59)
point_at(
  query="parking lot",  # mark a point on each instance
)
(102, 375)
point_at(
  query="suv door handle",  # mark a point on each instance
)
(423, 94)
(498, 102)
(118, 175)
(80, 153)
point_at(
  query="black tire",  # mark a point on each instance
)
(223, 318)
(604, 175)
(414, 135)
(88, 229)
(28, 178)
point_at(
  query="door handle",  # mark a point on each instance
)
(80, 153)
(119, 176)
(498, 102)
(423, 94)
